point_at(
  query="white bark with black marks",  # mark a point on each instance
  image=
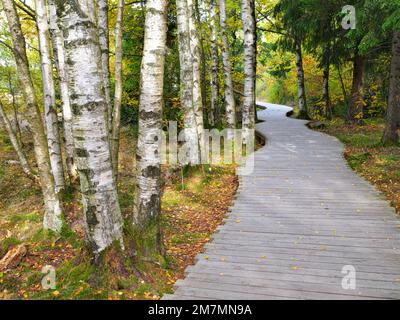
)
(249, 27)
(103, 32)
(186, 83)
(148, 154)
(89, 114)
(58, 42)
(229, 96)
(53, 212)
(116, 118)
(49, 96)
(214, 114)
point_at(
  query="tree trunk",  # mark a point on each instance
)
(202, 54)
(66, 105)
(391, 135)
(303, 111)
(16, 145)
(196, 60)
(49, 96)
(344, 91)
(229, 97)
(356, 104)
(17, 129)
(89, 117)
(103, 35)
(148, 154)
(116, 119)
(186, 79)
(249, 25)
(53, 212)
(325, 85)
(214, 114)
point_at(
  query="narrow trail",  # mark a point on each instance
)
(298, 220)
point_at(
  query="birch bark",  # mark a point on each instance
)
(249, 27)
(214, 115)
(49, 96)
(102, 27)
(148, 154)
(116, 118)
(89, 114)
(186, 79)
(53, 212)
(58, 42)
(229, 97)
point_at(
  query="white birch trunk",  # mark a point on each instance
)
(229, 97)
(53, 212)
(303, 112)
(196, 60)
(148, 191)
(49, 96)
(214, 115)
(16, 145)
(102, 26)
(249, 27)
(89, 113)
(186, 80)
(66, 105)
(116, 118)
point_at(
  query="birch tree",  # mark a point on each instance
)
(303, 111)
(89, 109)
(148, 191)
(116, 119)
(249, 27)
(196, 61)
(53, 212)
(103, 33)
(229, 97)
(391, 135)
(186, 80)
(214, 115)
(16, 145)
(66, 105)
(49, 96)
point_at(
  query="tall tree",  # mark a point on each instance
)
(89, 109)
(214, 114)
(229, 97)
(16, 145)
(116, 119)
(249, 31)
(391, 135)
(49, 96)
(53, 212)
(148, 191)
(197, 82)
(356, 103)
(103, 32)
(186, 81)
(58, 43)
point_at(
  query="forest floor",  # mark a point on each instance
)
(194, 204)
(367, 156)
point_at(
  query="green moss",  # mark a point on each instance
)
(357, 160)
(6, 244)
(21, 217)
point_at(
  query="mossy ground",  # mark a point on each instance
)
(366, 155)
(194, 203)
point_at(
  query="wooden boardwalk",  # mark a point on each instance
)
(297, 221)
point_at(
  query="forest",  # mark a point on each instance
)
(114, 115)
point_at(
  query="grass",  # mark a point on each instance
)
(366, 155)
(194, 203)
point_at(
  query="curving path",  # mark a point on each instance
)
(298, 220)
